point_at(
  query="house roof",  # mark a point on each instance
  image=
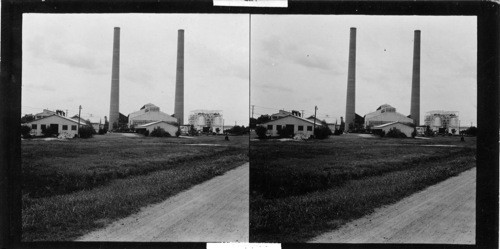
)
(69, 119)
(154, 123)
(388, 124)
(290, 115)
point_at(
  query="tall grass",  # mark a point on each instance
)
(163, 171)
(300, 190)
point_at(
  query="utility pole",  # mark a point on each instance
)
(79, 112)
(314, 127)
(253, 106)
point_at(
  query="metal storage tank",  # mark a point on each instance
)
(200, 120)
(454, 122)
(217, 121)
(437, 121)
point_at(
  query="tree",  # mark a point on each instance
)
(192, 131)
(27, 118)
(237, 130)
(261, 131)
(217, 130)
(414, 133)
(453, 131)
(471, 131)
(263, 118)
(25, 131)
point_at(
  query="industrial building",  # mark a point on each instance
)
(207, 120)
(297, 124)
(385, 114)
(171, 129)
(442, 121)
(63, 125)
(330, 122)
(147, 114)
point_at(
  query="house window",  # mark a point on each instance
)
(73, 127)
(269, 127)
(65, 127)
(43, 127)
(309, 128)
(278, 127)
(33, 126)
(300, 127)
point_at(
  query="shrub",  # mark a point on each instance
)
(102, 131)
(159, 132)
(285, 132)
(379, 132)
(178, 133)
(322, 132)
(471, 131)
(395, 133)
(146, 133)
(261, 131)
(25, 131)
(50, 132)
(86, 132)
(337, 132)
(414, 133)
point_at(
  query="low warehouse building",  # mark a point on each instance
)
(171, 129)
(403, 127)
(63, 125)
(385, 114)
(297, 124)
(147, 114)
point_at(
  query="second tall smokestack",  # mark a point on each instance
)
(114, 110)
(179, 79)
(415, 83)
(351, 81)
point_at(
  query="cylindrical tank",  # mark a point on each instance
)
(437, 121)
(200, 121)
(217, 121)
(454, 122)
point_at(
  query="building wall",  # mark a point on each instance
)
(307, 127)
(71, 127)
(386, 117)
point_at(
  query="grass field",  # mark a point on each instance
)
(300, 189)
(71, 187)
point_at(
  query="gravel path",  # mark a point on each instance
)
(443, 213)
(214, 211)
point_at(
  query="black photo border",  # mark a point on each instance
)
(488, 73)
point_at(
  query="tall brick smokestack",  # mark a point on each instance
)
(179, 79)
(415, 83)
(115, 81)
(351, 81)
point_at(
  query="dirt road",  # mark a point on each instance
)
(443, 213)
(214, 211)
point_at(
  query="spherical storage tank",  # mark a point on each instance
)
(200, 121)
(217, 121)
(437, 121)
(454, 122)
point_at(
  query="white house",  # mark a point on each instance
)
(171, 129)
(403, 127)
(66, 126)
(297, 124)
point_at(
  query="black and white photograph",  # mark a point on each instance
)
(365, 129)
(135, 127)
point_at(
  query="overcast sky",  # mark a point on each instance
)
(298, 62)
(67, 63)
